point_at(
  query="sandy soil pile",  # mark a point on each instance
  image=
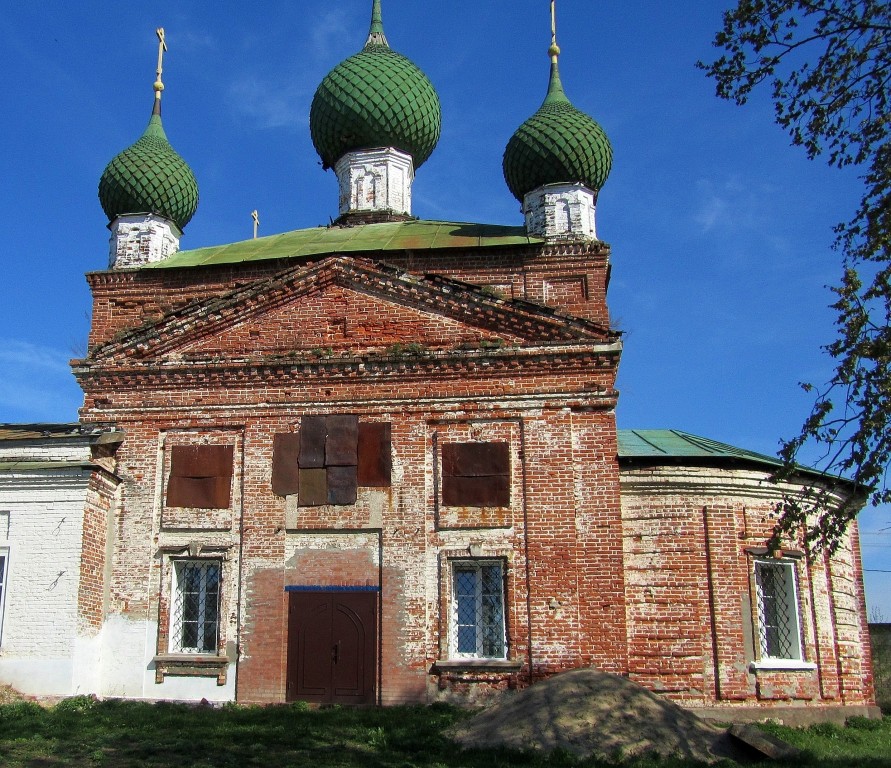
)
(9, 695)
(593, 713)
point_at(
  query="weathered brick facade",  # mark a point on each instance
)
(494, 346)
(692, 534)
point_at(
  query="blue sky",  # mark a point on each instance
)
(720, 230)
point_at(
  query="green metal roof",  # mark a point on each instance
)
(371, 238)
(674, 444)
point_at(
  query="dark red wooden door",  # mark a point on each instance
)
(332, 638)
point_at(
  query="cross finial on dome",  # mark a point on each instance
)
(555, 86)
(376, 34)
(158, 85)
(554, 50)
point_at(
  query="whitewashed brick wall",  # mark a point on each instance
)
(45, 514)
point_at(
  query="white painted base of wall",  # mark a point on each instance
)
(38, 676)
(127, 669)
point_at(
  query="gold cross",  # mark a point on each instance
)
(256, 217)
(162, 46)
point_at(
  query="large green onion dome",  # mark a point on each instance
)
(150, 177)
(377, 98)
(558, 144)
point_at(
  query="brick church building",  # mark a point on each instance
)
(377, 462)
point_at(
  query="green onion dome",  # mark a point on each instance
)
(150, 177)
(377, 98)
(559, 144)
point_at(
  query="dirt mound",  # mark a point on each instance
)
(592, 713)
(9, 695)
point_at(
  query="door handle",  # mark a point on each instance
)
(335, 652)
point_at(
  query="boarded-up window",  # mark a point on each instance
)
(313, 432)
(313, 487)
(200, 476)
(375, 463)
(285, 467)
(330, 458)
(342, 485)
(476, 474)
(342, 441)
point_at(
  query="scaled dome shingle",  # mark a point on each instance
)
(376, 98)
(149, 177)
(558, 144)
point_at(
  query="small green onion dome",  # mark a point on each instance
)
(559, 144)
(376, 98)
(150, 177)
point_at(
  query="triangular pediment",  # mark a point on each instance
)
(346, 306)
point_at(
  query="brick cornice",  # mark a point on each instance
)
(223, 371)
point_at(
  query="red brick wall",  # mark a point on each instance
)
(97, 511)
(692, 535)
(654, 587)
(391, 536)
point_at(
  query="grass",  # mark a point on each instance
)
(85, 732)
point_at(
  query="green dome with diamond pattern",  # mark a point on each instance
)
(558, 144)
(150, 177)
(376, 98)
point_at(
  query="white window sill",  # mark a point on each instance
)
(789, 665)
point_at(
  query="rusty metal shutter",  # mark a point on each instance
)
(476, 474)
(375, 461)
(342, 441)
(285, 464)
(200, 476)
(313, 491)
(342, 487)
(313, 433)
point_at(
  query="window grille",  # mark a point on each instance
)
(778, 624)
(195, 625)
(478, 610)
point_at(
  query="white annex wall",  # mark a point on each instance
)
(45, 526)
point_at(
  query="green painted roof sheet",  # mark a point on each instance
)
(674, 444)
(370, 238)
